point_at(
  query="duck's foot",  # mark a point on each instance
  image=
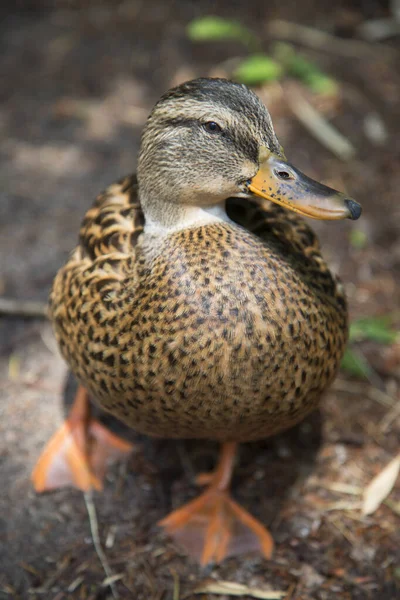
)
(78, 453)
(213, 526)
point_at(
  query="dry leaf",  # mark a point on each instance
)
(340, 505)
(112, 579)
(380, 487)
(343, 488)
(231, 588)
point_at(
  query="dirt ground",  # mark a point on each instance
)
(78, 79)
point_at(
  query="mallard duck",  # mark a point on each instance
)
(197, 304)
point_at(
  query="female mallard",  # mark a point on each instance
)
(190, 309)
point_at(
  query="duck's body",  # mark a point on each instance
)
(228, 331)
(190, 310)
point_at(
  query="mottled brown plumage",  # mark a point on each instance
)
(191, 308)
(224, 331)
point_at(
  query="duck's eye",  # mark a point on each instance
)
(212, 127)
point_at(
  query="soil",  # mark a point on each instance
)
(78, 79)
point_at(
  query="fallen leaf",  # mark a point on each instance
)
(112, 579)
(343, 488)
(380, 487)
(340, 505)
(231, 588)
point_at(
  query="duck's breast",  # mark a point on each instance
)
(227, 336)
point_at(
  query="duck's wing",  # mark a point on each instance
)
(84, 298)
(114, 222)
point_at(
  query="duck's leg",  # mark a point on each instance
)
(78, 453)
(213, 526)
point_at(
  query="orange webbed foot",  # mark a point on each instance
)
(214, 526)
(78, 453)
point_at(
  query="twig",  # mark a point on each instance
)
(383, 398)
(342, 488)
(176, 591)
(75, 584)
(23, 308)
(231, 588)
(375, 127)
(378, 29)
(391, 416)
(395, 9)
(341, 505)
(94, 529)
(291, 591)
(323, 41)
(372, 393)
(319, 127)
(346, 533)
(48, 584)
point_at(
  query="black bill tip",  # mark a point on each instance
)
(354, 208)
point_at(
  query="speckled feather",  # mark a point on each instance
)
(225, 331)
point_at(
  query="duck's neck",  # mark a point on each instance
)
(163, 217)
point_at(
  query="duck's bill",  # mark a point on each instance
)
(280, 182)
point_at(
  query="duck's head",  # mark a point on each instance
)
(210, 139)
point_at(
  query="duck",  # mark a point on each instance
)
(197, 304)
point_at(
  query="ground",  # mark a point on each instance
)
(78, 81)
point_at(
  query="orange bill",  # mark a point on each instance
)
(279, 181)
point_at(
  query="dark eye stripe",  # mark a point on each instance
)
(181, 122)
(247, 145)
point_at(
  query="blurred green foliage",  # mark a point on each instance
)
(210, 28)
(374, 329)
(356, 364)
(300, 68)
(358, 239)
(258, 67)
